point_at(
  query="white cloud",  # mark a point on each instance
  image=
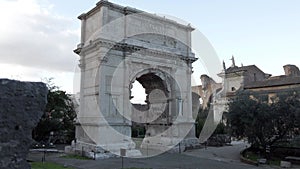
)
(67, 81)
(34, 36)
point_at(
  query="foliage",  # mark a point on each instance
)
(200, 120)
(47, 165)
(221, 128)
(59, 117)
(291, 143)
(138, 132)
(254, 156)
(263, 123)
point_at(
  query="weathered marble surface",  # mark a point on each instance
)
(120, 45)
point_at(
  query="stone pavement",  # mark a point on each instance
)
(211, 158)
(225, 153)
(164, 161)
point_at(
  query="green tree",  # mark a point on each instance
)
(59, 117)
(200, 120)
(261, 122)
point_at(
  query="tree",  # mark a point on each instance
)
(200, 120)
(59, 116)
(263, 123)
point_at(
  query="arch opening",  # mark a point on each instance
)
(152, 105)
(138, 95)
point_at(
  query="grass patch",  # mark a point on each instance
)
(75, 157)
(47, 165)
(275, 162)
(252, 156)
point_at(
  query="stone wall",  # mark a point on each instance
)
(206, 90)
(21, 106)
(291, 70)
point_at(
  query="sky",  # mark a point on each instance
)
(37, 37)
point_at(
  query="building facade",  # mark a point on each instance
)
(244, 78)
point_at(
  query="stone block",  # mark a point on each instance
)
(285, 164)
(21, 107)
(262, 161)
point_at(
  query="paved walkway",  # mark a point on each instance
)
(164, 161)
(211, 158)
(225, 153)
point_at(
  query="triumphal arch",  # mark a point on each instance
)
(120, 45)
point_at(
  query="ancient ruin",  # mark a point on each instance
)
(21, 107)
(244, 78)
(120, 45)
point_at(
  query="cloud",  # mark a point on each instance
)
(67, 81)
(32, 35)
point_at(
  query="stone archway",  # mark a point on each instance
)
(116, 52)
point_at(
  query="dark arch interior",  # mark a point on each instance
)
(150, 82)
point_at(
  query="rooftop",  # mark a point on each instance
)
(275, 81)
(243, 68)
